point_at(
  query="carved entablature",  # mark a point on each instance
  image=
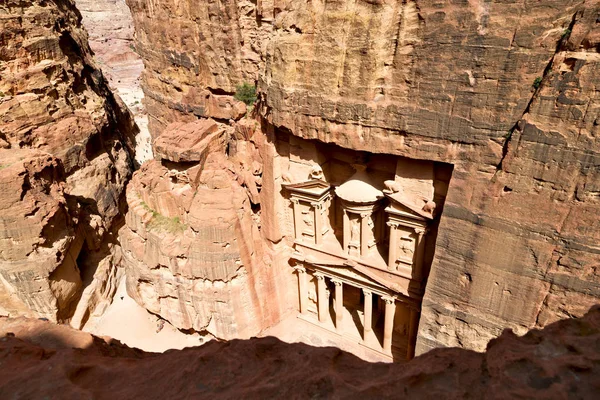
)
(408, 221)
(311, 201)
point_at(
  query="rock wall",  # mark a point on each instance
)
(65, 144)
(192, 245)
(504, 91)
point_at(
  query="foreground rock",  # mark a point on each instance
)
(40, 359)
(64, 162)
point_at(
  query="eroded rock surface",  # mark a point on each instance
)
(504, 91)
(192, 245)
(65, 159)
(560, 361)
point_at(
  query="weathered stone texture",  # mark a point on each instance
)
(558, 362)
(193, 250)
(56, 114)
(195, 54)
(445, 81)
(110, 28)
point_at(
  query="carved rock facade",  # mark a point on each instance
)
(450, 83)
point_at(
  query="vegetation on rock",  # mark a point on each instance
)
(246, 93)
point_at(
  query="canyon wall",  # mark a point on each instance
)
(65, 145)
(503, 91)
(192, 245)
(110, 28)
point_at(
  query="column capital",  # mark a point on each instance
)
(393, 224)
(336, 282)
(295, 201)
(421, 230)
(388, 299)
(364, 215)
(317, 205)
(367, 292)
(299, 268)
(319, 276)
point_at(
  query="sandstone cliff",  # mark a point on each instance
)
(193, 250)
(41, 360)
(503, 91)
(65, 143)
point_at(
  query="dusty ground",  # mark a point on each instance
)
(134, 326)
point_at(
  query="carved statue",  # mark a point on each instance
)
(317, 172)
(429, 207)
(355, 232)
(392, 187)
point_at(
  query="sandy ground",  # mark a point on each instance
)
(296, 330)
(131, 324)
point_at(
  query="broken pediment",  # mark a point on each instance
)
(417, 208)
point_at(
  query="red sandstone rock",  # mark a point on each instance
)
(193, 250)
(453, 82)
(65, 160)
(44, 360)
(190, 142)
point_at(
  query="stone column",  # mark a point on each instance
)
(297, 219)
(318, 223)
(303, 293)
(418, 266)
(393, 245)
(339, 304)
(368, 313)
(413, 324)
(364, 229)
(346, 237)
(322, 302)
(388, 328)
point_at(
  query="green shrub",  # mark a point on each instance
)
(537, 82)
(246, 93)
(161, 223)
(566, 33)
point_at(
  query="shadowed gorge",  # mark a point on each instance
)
(388, 178)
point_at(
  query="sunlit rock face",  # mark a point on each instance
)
(192, 245)
(110, 28)
(505, 92)
(65, 160)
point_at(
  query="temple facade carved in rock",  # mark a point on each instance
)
(363, 229)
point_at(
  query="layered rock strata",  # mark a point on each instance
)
(503, 91)
(193, 250)
(558, 362)
(65, 160)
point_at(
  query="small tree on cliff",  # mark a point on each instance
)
(245, 93)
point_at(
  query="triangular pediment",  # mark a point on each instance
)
(313, 186)
(408, 207)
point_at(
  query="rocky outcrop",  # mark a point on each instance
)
(65, 159)
(193, 250)
(558, 362)
(505, 92)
